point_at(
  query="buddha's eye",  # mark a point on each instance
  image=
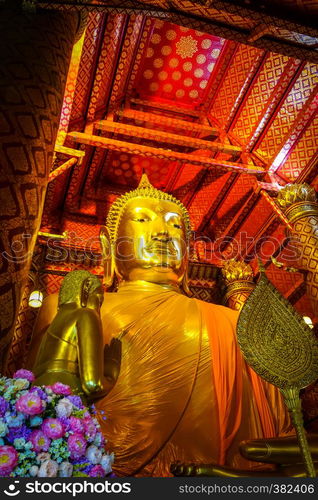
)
(178, 226)
(141, 219)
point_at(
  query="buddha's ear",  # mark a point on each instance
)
(107, 256)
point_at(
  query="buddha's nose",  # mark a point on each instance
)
(162, 235)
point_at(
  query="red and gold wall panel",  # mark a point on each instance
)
(241, 66)
(296, 99)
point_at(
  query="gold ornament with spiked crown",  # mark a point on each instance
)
(144, 190)
(297, 201)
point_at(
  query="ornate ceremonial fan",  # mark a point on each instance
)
(282, 349)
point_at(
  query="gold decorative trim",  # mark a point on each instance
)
(238, 286)
(301, 209)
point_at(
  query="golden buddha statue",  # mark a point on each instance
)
(184, 392)
(74, 339)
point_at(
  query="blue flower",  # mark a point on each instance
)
(19, 443)
(35, 421)
(15, 420)
(3, 428)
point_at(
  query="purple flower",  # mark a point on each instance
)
(53, 428)
(90, 428)
(76, 425)
(18, 432)
(30, 404)
(39, 441)
(76, 400)
(97, 471)
(65, 422)
(24, 374)
(76, 444)
(39, 392)
(4, 406)
(8, 460)
(60, 388)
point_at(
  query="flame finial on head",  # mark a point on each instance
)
(144, 190)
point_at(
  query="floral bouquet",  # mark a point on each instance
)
(48, 432)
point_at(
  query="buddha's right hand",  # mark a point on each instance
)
(112, 360)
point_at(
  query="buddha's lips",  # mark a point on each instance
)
(162, 247)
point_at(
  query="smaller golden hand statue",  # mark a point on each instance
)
(71, 351)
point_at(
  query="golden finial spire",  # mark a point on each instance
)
(144, 182)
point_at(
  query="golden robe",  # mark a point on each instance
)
(184, 391)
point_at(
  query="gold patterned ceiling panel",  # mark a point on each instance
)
(178, 64)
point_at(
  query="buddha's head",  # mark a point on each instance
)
(146, 237)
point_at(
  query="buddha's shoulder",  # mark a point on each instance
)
(218, 310)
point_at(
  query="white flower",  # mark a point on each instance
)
(64, 408)
(65, 469)
(107, 461)
(43, 456)
(93, 454)
(48, 468)
(34, 471)
(20, 384)
(98, 439)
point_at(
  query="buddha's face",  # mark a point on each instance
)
(151, 243)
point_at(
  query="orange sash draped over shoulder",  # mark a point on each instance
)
(184, 390)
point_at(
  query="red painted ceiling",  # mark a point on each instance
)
(257, 105)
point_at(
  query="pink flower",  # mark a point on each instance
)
(8, 460)
(76, 444)
(30, 404)
(24, 374)
(39, 440)
(53, 428)
(76, 425)
(97, 471)
(48, 468)
(60, 388)
(89, 428)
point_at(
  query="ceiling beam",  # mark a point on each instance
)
(163, 154)
(166, 137)
(167, 107)
(207, 19)
(166, 121)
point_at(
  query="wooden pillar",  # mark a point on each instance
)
(35, 49)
